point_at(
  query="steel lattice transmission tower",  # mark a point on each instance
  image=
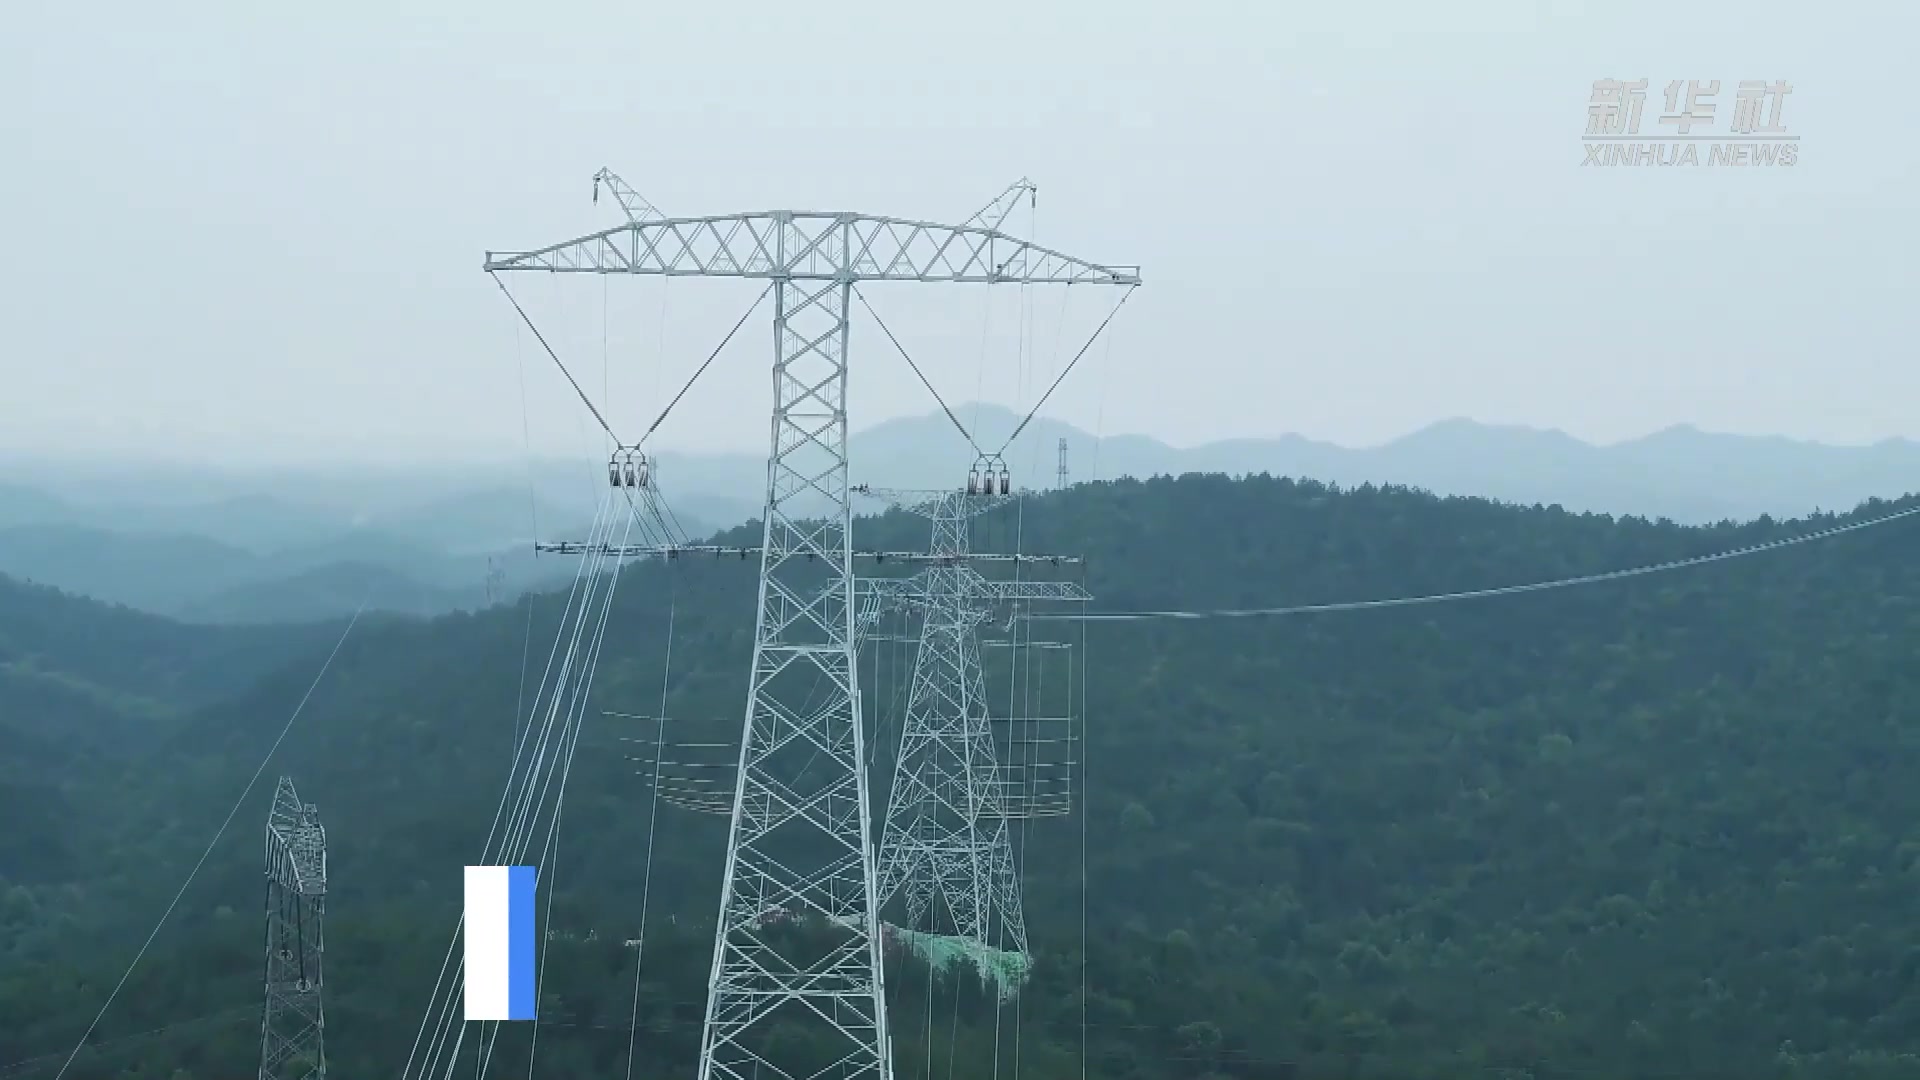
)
(945, 834)
(800, 840)
(292, 1044)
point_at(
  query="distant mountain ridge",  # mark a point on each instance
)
(208, 550)
(222, 544)
(199, 579)
(1681, 472)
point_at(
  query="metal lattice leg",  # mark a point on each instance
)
(1003, 892)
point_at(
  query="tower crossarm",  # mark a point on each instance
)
(300, 859)
(296, 843)
(1012, 592)
(674, 551)
(874, 597)
(886, 592)
(931, 503)
(790, 245)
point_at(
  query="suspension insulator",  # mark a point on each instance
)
(613, 474)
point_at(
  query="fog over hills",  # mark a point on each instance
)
(1682, 473)
(224, 543)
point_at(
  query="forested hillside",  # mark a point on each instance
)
(85, 686)
(1663, 826)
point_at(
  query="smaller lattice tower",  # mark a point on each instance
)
(944, 842)
(1060, 477)
(292, 1046)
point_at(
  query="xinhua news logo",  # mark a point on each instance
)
(1755, 135)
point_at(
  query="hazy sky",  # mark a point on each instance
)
(242, 228)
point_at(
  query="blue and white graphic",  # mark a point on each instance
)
(499, 936)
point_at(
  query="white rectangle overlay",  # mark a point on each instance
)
(498, 933)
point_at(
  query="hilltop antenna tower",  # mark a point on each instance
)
(496, 582)
(800, 839)
(1060, 474)
(292, 1044)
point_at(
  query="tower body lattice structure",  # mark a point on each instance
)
(945, 831)
(799, 845)
(293, 1028)
(945, 841)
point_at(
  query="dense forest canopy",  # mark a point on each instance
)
(1664, 826)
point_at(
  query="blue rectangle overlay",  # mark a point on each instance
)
(500, 928)
(520, 952)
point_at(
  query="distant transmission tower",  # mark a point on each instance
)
(799, 847)
(292, 1046)
(945, 835)
(496, 582)
(1060, 476)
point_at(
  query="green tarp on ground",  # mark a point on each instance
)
(1007, 971)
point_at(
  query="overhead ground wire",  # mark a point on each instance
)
(1471, 594)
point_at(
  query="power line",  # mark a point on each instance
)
(703, 367)
(653, 821)
(1069, 368)
(584, 399)
(958, 426)
(233, 1015)
(1470, 594)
